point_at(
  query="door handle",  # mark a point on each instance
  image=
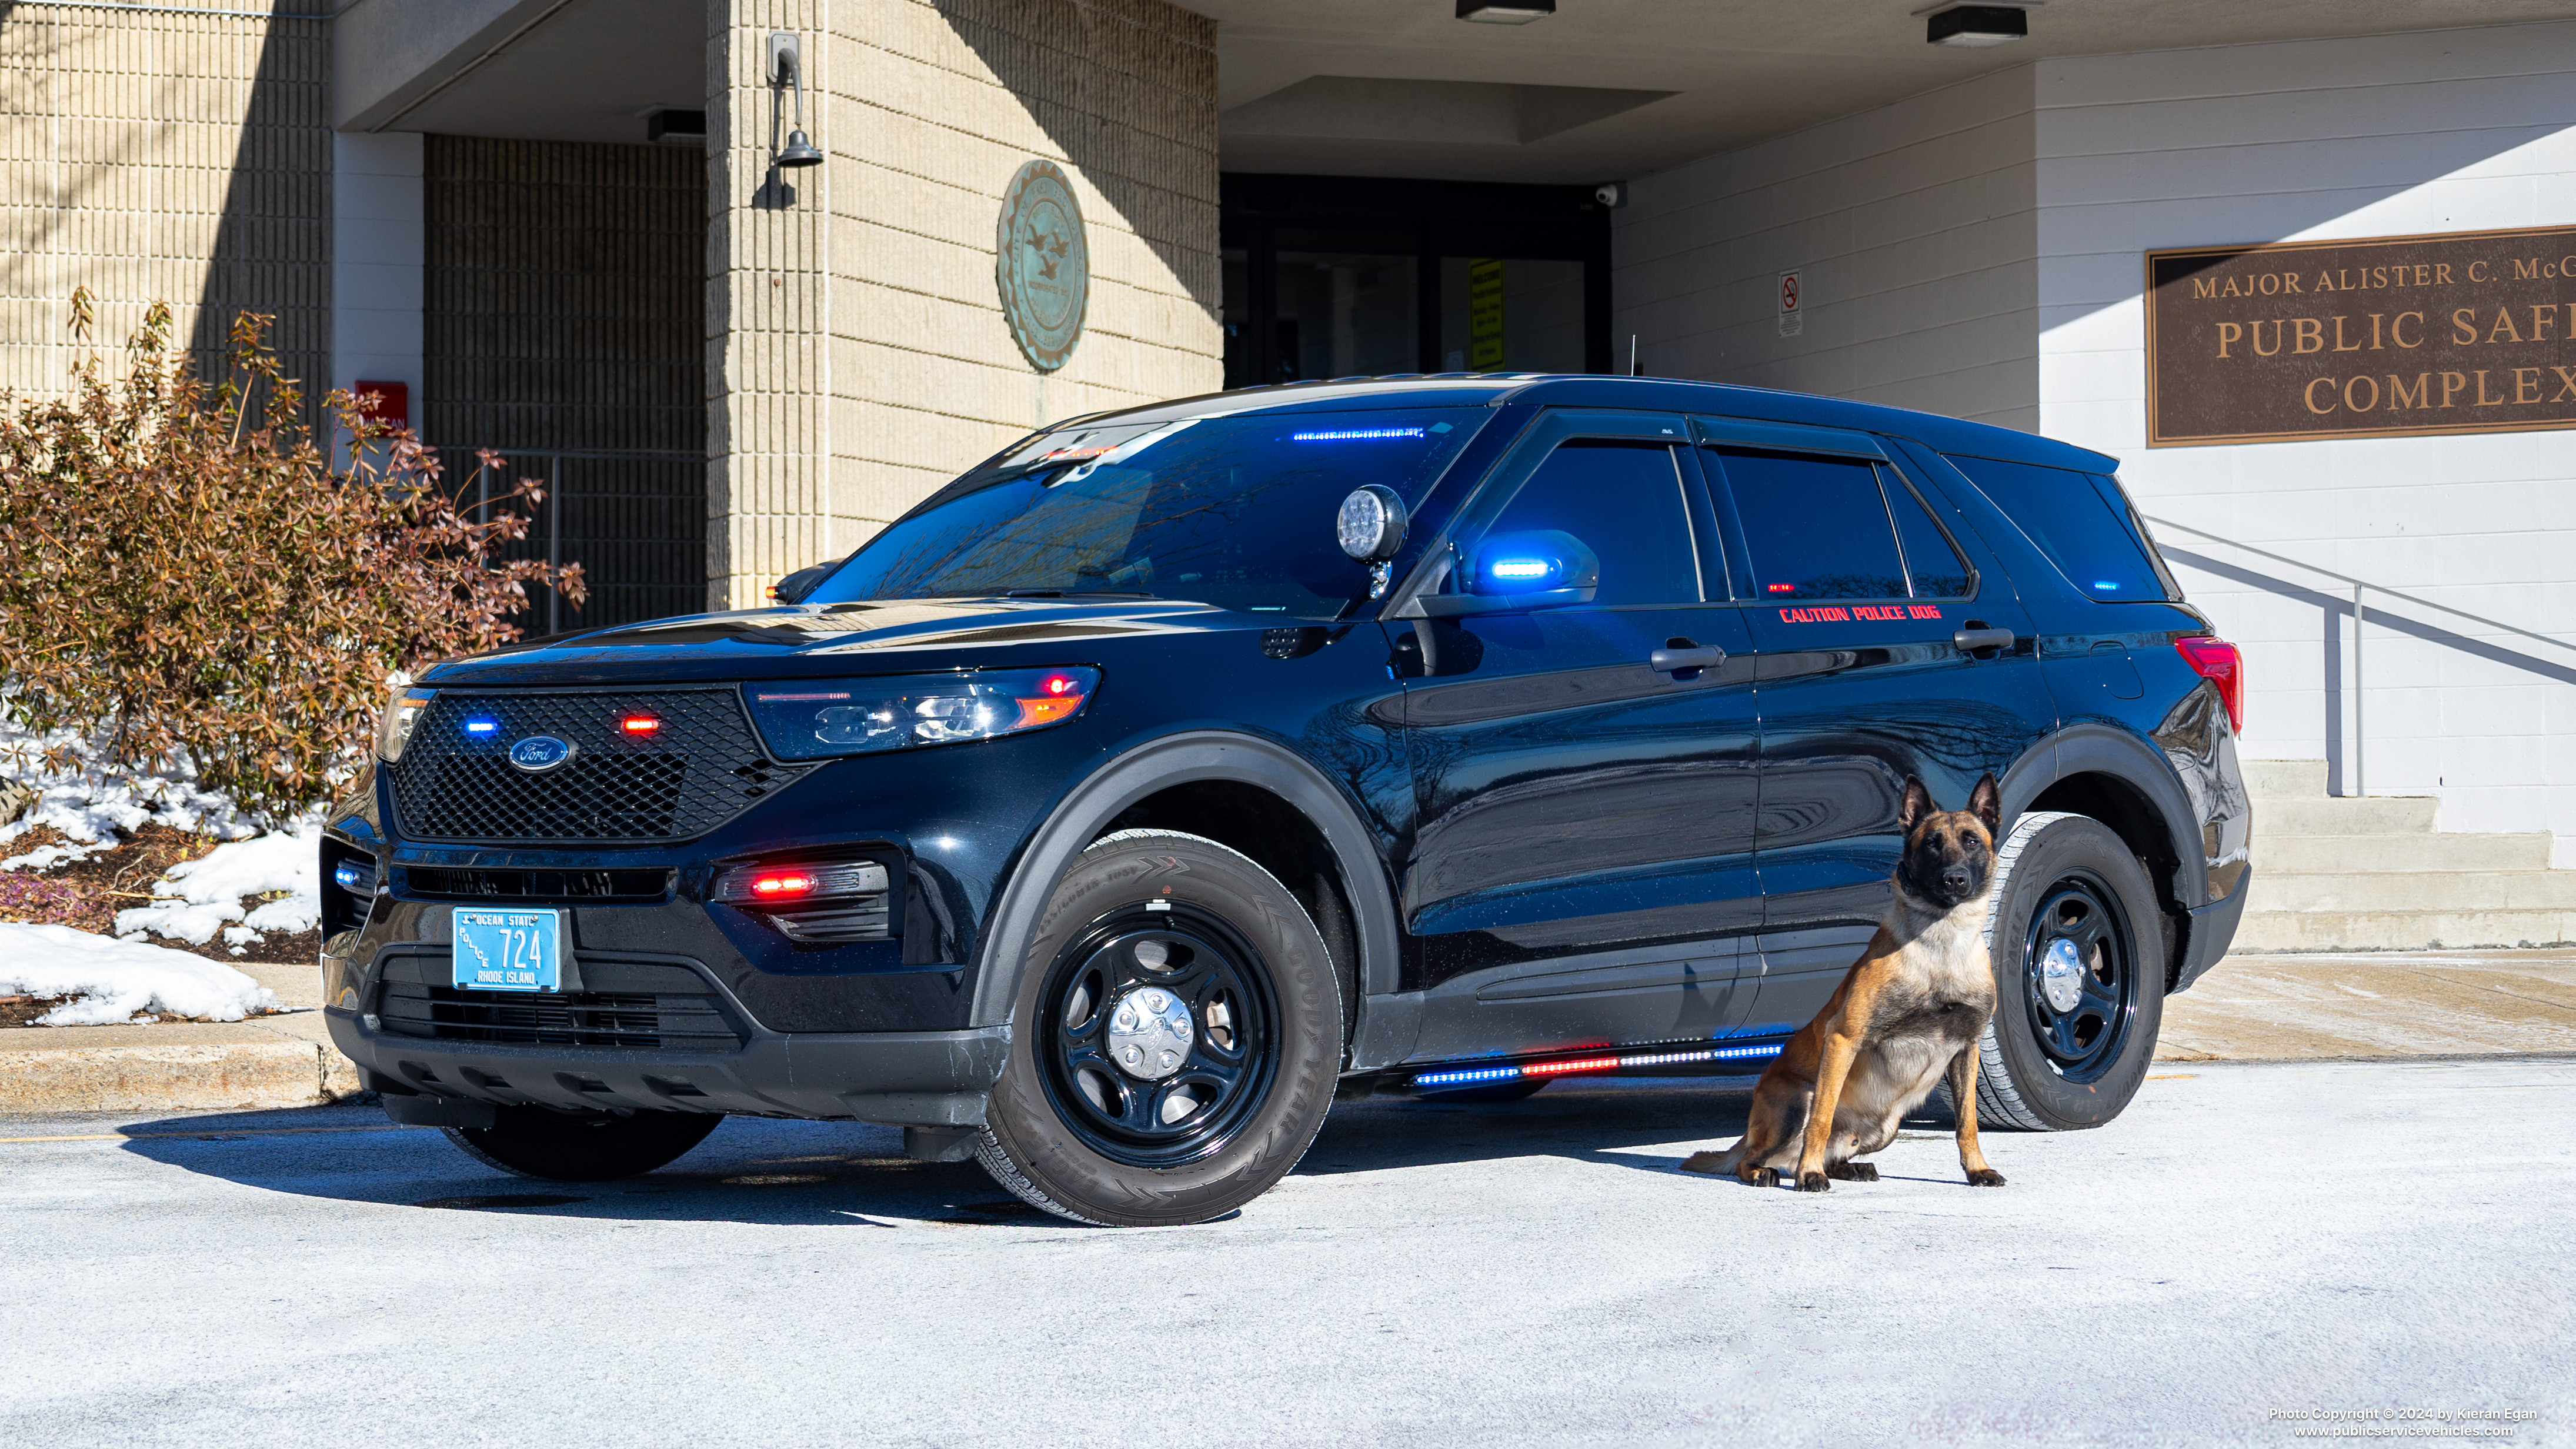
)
(1969, 641)
(1674, 658)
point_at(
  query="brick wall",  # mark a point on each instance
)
(161, 155)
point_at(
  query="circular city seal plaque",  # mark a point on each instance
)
(1042, 264)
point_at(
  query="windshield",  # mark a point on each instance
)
(1231, 511)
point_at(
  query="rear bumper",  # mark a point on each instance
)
(899, 1078)
(2212, 931)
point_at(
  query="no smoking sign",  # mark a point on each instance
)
(1792, 319)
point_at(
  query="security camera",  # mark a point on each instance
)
(1612, 194)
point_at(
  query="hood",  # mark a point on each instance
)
(855, 638)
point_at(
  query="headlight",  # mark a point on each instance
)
(401, 713)
(813, 719)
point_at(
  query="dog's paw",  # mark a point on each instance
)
(1704, 1162)
(1813, 1182)
(1760, 1176)
(1985, 1177)
(1853, 1171)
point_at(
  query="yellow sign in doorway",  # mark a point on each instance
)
(1485, 314)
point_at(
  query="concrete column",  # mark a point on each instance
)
(377, 227)
(768, 311)
(857, 352)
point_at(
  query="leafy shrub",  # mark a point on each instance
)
(185, 575)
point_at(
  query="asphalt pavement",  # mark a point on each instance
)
(2248, 1241)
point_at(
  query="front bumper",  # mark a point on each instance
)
(898, 1078)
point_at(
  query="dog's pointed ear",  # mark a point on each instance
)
(1918, 803)
(1986, 802)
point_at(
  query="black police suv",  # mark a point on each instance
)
(1178, 770)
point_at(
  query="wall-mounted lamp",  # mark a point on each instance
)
(786, 64)
(1978, 25)
(1505, 12)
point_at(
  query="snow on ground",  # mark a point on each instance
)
(95, 807)
(202, 896)
(115, 980)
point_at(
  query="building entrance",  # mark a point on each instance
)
(1342, 276)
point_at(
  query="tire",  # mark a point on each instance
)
(2058, 1063)
(1499, 1094)
(1183, 1131)
(559, 1147)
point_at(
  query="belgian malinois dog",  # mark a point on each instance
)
(1910, 1010)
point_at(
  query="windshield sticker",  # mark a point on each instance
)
(1097, 457)
(1881, 613)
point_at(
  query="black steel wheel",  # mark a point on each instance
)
(2079, 959)
(1175, 1039)
(561, 1147)
(2080, 976)
(1161, 1034)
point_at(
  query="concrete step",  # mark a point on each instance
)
(2284, 779)
(2370, 815)
(2376, 854)
(2418, 890)
(2401, 930)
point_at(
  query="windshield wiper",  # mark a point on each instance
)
(1076, 594)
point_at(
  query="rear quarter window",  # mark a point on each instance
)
(2082, 521)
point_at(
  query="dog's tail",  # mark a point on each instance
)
(1718, 1164)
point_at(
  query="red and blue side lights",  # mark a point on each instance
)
(1602, 1062)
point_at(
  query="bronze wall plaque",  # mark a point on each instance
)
(2468, 332)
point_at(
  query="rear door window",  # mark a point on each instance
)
(1817, 528)
(2082, 522)
(1625, 501)
(1931, 560)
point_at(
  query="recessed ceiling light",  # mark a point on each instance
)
(1505, 12)
(1977, 25)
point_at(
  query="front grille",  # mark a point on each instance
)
(701, 767)
(452, 884)
(666, 1007)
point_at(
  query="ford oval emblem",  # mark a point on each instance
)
(539, 753)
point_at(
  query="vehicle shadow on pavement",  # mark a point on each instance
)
(749, 1171)
(850, 1174)
(1602, 1120)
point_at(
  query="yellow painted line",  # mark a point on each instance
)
(240, 1132)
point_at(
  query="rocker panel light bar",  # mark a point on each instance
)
(1473, 1076)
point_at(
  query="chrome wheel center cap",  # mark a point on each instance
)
(1149, 1033)
(2061, 976)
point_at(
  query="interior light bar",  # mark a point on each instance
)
(1471, 1076)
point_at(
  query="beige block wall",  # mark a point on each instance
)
(162, 155)
(857, 354)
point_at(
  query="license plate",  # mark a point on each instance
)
(509, 950)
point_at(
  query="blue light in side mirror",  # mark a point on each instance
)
(1533, 562)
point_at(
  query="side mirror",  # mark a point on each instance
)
(793, 588)
(1511, 572)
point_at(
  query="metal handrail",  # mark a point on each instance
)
(2359, 737)
(2362, 583)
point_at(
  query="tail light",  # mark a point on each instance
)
(2222, 664)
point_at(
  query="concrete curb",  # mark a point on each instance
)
(246, 1076)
